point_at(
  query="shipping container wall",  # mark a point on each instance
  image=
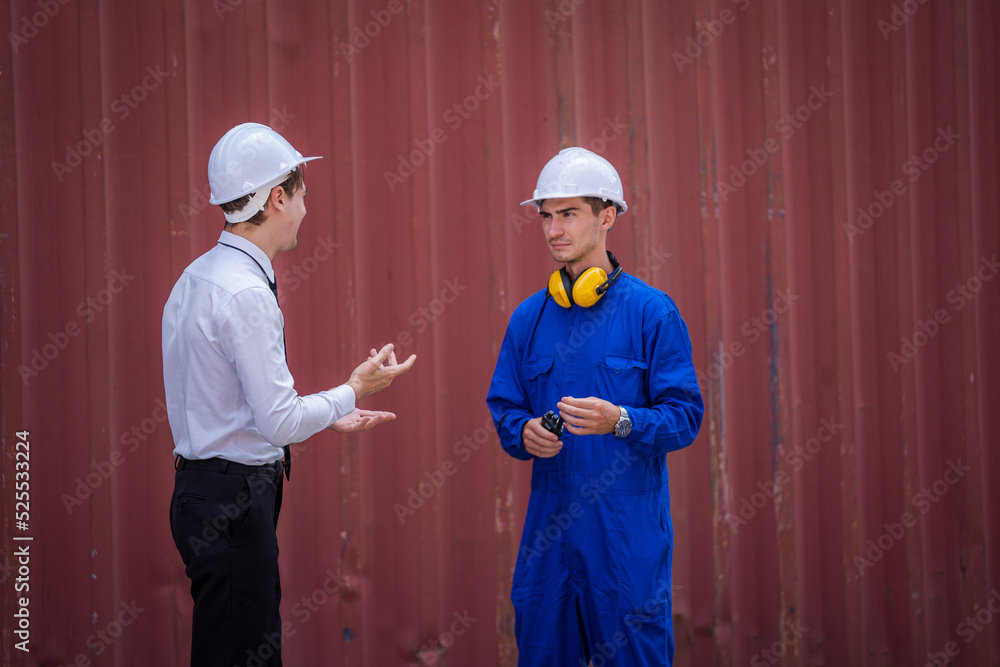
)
(814, 183)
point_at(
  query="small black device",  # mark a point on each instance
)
(553, 423)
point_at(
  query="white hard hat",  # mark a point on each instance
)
(250, 159)
(577, 172)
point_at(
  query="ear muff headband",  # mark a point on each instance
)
(613, 278)
(588, 288)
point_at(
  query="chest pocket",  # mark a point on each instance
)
(536, 374)
(536, 367)
(622, 380)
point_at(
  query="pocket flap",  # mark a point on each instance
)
(536, 367)
(621, 363)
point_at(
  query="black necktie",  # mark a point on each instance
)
(288, 448)
(273, 284)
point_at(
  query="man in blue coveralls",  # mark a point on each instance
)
(612, 357)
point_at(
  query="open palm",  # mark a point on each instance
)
(361, 420)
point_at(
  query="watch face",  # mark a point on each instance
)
(624, 425)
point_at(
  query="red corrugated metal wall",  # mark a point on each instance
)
(815, 183)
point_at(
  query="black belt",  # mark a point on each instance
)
(224, 466)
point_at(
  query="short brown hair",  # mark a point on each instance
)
(291, 185)
(596, 204)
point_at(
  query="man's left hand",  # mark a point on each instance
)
(588, 416)
(361, 420)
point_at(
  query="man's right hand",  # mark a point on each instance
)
(538, 441)
(374, 375)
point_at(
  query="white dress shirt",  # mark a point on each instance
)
(228, 389)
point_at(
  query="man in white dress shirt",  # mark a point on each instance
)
(232, 403)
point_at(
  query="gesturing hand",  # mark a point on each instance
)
(361, 420)
(391, 361)
(588, 416)
(538, 441)
(378, 372)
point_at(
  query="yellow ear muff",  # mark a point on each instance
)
(585, 288)
(558, 289)
(588, 288)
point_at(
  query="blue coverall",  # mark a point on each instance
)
(592, 580)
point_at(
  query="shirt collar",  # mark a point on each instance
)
(251, 249)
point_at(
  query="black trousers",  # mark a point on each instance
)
(223, 517)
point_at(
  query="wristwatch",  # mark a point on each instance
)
(624, 425)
